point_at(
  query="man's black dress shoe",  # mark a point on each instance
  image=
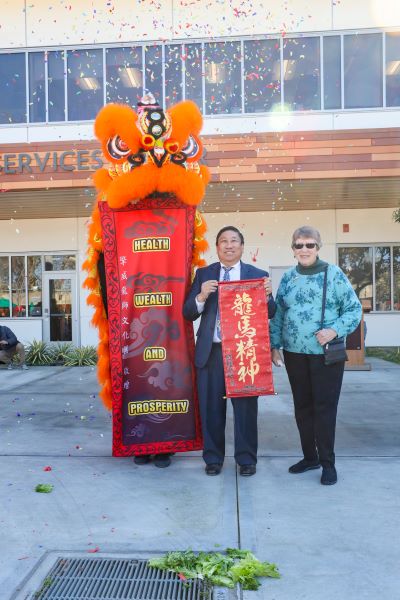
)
(304, 465)
(162, 460)
(213, 469)
(142, 459)
(329, 476)
(247, 470)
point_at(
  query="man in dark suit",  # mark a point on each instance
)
(203, 300)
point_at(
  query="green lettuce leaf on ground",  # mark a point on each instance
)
(215, 568)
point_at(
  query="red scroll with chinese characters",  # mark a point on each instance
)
(147, 254)
(245, 338)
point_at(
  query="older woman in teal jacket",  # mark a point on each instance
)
(296, 327)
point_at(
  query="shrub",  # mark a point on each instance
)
(85, 356)
(38, 353)
(60, 352)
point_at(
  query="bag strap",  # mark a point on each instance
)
(324, 296)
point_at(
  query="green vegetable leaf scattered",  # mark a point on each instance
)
(44, 488)
(225, 570)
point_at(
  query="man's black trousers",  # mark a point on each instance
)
(211, 390)
(316, 390)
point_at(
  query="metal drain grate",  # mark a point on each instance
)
(115, 579)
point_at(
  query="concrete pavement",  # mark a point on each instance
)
(335, 543)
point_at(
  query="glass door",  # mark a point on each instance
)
(59, 299)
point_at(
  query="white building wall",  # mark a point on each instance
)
(35, 24)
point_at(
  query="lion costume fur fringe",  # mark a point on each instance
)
(120, 129)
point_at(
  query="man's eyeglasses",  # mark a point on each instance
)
(309, 245)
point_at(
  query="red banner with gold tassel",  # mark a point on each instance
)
(148, 255)
(245, 338)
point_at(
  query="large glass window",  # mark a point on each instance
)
(21, 286)
(217, 75)
(356, 263)
(222, 63)
(85, 84)
(192, 58)
(393, 69)
(301, 65)
(369, 271)
(60, 262)
(382, 278)
(362, 70)
(332, 70)
(396, 277)
(13, 88)
(4, 287)
(262, 75)
(34, 264)
(18, 286)
(56, 87)
(37, 93)
(153, 70)
(124, 75)
(173, 74)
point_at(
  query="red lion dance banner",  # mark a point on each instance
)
(245, 338)
(145, 239)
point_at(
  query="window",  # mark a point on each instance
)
(124, 75)
(60, 262)
(13, 88)
(221, 77)
(301, 65)
(85, 84)
(34, 286)
(393, 69)
(222, 65)
(362, 70)
(56, 87)
(396, 277)
(369, 269)
(21, 282)
(173, 74)
(332, 70)
(37, 94)
(153, 72)
(192, 58)
(262, 75)
(4, 287)
(18, 286)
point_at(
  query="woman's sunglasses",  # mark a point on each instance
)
(309, 245)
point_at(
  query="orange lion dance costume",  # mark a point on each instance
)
(145, 239)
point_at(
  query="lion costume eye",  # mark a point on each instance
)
(117, 148)
(193, 149)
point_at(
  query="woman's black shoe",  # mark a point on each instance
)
(329, 476)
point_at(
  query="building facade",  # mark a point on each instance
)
(301, 107)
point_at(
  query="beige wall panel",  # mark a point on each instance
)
(97, 22)
(359, 14)
(249, 17)
(38, 235)
(367, 226)
(12, 23)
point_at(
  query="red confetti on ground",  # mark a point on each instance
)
(47, 468)
(181, 577)
(94, 550)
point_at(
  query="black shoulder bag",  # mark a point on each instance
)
(335, 350)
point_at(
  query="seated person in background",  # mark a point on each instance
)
(9, 347)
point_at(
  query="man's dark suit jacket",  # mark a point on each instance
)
(8, 336)
(205, 332)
